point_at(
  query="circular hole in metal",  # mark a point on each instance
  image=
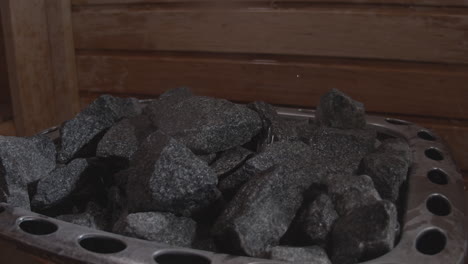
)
(431, 242)
(434, 154)
(102, 245)
(180, 258)
(36, 226)
(426, 135)
(438, 205)
(397, 122)
(437, 176)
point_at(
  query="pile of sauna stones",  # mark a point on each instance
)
(206, 173)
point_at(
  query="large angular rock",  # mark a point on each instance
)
(60, 184)
(365, 234)
(124, 138)
(260, 213)
(165, 102)
(92, 217)
(164, 175)
(231, 183)
(341, 151)
(160, 227)
(338, 110)
(351, 192)
(314, 222)
(274, 128)
(80, 135)
(208, 125)
(388, 167)
(230, 160)
(293, 154)
(23, 161)
(300, 255)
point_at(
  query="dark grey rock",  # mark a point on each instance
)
(340, 111)
(164, 228)
(388, 167)
(60, 184)
(79, 135)
(208, 125)
(165, 175)
(230, 160)
(23, 161)
(260, 213)
(208, 158)
(314, 222)
(365, 234)
(231, 183)
(300, 255)
(350, 192)
(168, 99)
(124, 138)
(93, 217)
(273, 127)
(341, 151)
(293, 153)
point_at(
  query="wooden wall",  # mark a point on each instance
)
(403, 58)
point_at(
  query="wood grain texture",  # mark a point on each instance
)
(415, 89)
(453, 132)
(7, 128)
(4, 89)
(429, 35)
(392, 2)
(37, 59)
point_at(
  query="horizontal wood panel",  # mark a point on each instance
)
(429, 35)
(7, 128)
(453, 132)
(398, 2)
(416, 89)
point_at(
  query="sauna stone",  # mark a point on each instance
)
(164, 175)
(80, 135)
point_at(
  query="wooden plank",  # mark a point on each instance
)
(453, 132)
(410, 34)
(67, 102)
(415, 89)
(393, 2)
(4, 89)
(7, 128)
(34, 55)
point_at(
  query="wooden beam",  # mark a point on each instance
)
(408, 34)
(372, 2)
(39, 61)
(402, 88)
(7, 128)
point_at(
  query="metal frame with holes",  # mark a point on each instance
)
(433, 231)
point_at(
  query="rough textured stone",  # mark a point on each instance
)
(93, 217)
(273, 127)
(229, 184)
(262, 210)
(160, 227)
(365, 234)
(60, 184)
(208, 125)
(350, 192)
(164, 175)
(79, 135)
(314, 222)
(208, 158)
(230, 160)
(340, 111)
(123, 139)
(341, 151)
(23, 161)
(284, 152)
(388, 167)
(168, 99)
(300, 255)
